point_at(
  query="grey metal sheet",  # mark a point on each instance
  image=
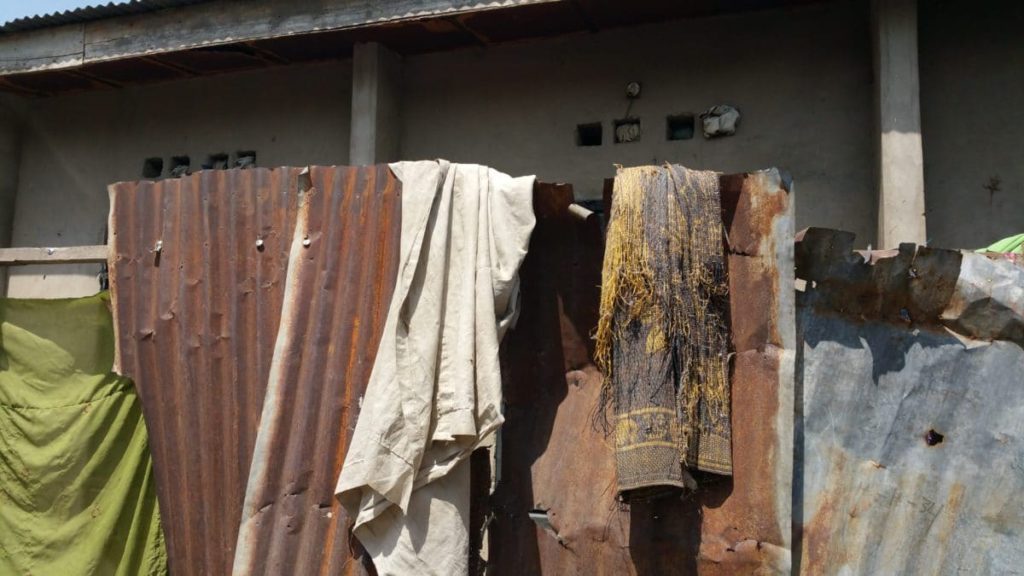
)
(910, 433)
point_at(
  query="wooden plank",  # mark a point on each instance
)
(55, 255)
(211, 24)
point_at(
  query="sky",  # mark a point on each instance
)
(14, 9)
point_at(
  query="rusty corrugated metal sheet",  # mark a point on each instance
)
(196, 323)
(552, 457)
(340, 280)
(910, 379)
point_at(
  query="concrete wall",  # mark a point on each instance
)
(972, 86)
(73, 146)
(801, 77)
(10, 153)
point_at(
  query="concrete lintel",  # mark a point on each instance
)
(376, 105)
(901, 205)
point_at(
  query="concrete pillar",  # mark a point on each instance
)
(10, 156)
(901, 207)
(376, 104)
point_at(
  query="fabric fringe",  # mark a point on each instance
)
(662, 337)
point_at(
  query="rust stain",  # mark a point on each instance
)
(817, 535)
(911, 285)
(196, 323)
(729, 525)
(749, 211)
(210, 298)
(743, 507)
(340, 286)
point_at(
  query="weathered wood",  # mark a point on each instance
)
(211, 24)
(56, 255)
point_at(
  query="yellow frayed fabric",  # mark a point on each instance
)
(662, 338)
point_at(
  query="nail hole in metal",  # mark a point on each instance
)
(933, 438)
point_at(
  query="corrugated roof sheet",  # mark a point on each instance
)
(198, 323)
(197, 304)
(340, 279)
(89, 13)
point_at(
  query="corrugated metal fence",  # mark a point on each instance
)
(197, 304)
(904, 385)
(199, 276)
(554, 460)
(200, 285)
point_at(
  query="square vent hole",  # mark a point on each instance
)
(179, 166)
(152, 167)
(245, 159)
(627, 130)
(588, 134)
(218, 161)
(679, 127)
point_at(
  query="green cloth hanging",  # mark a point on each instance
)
(77, 492)
(1011, 245)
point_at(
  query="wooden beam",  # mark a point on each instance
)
(94, 78)
(6, 84)
(184, 71)
(212, 24)
(266, 55)
(479, 38)
(57, 255)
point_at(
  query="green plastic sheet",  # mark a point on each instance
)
(1011, 245)
(77, 492)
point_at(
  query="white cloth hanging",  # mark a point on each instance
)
(435, 390)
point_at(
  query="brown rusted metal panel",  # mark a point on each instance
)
(340, 280)
(554, 459)
(196, 305)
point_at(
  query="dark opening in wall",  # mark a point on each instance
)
(179, 166)
(679, 127)
(152, 167)
(627, 130)
(245, 158)
(588, 134)
(218, 161)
